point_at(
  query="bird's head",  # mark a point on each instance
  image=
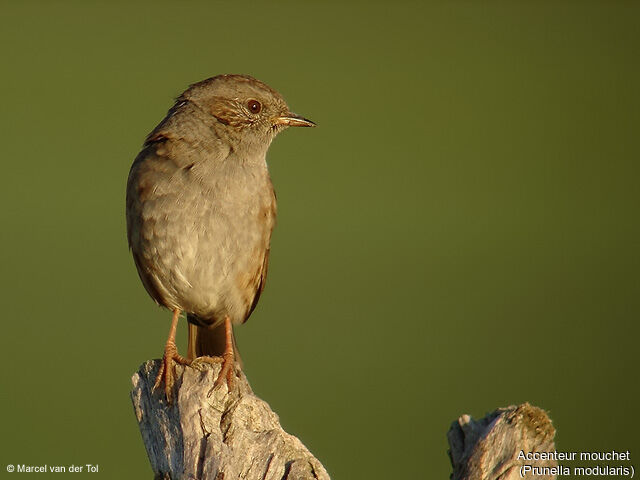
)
(250, 112)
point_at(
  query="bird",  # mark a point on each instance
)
(200, 211)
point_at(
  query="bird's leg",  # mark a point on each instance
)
(228, 358)
(171, 355)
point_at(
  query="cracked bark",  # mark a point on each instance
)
(488, 448)
(209, 433)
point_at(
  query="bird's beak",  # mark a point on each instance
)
(293, 120)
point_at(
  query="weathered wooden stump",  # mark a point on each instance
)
(489, 448)
(209, 433)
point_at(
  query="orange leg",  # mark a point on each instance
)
(228, 358)
(171, 355)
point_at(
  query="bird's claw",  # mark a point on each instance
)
(166, 371)
(227, 370)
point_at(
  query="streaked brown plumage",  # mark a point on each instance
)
(201, 209)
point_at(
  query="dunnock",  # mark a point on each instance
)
(200, 211)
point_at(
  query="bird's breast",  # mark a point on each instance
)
(204, 235)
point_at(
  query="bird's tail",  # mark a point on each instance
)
(205, 341)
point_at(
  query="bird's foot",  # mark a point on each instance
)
(227, 372)
(167, 370)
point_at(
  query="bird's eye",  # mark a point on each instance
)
(254, 106)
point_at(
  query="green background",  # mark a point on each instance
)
(460, 233)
